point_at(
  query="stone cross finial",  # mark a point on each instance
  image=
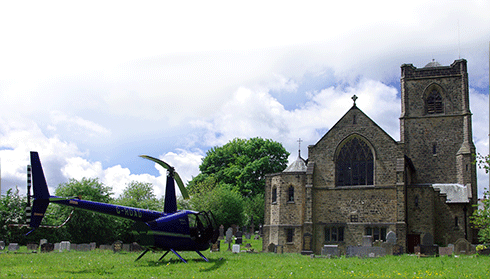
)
(299, 148)
(354, 98)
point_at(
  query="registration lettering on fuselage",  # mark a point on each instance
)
(129, 212)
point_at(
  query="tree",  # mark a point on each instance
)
(481, 216)
(225, 202)
(139, 195)
(88, 226)
(242, 164)
(12, 211)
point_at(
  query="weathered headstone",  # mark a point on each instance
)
(397, 250)
(47, 247)
(446, 251)
(221, 232)
(367, 241)
(391, 237)
(105, 247)
(85, 247)
(462, 246)
(93, 245)
(135, 247)
(13, 247)
(330, 251)
(65, 245)
(42, 241)
(216, 246)
(73, 247)
(229, 235)
(126, 247)
(365, 251)
(271, 247)
(2, 245)
(57, 246)
(236, 248)
(117, 246)
(31, 246)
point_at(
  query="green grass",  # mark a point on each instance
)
(106, 264)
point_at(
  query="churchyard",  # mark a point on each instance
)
(115, 261)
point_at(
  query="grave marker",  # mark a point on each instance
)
(13, 247)
(2, 245)
(391, 237)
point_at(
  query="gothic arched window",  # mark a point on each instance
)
(291, 194)
(355, 164)
(434, 102)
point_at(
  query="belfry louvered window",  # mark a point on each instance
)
(434, 102)
(355, 164)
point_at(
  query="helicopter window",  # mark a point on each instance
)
(192, 220)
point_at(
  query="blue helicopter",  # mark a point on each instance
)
(171, 230)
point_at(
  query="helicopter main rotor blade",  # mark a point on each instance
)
(174, 174)
(158, 161)
(182, 188)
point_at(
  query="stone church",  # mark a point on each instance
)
(359, 181)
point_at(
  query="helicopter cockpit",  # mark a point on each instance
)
(202, 227)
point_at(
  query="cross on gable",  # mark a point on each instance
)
(354, 98)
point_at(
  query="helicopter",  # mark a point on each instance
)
(171, 230)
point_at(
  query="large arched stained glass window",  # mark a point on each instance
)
(355, 164)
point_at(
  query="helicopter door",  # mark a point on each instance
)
(201, 227)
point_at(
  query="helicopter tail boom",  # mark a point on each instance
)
(41, 193)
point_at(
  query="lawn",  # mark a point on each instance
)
(224, 264)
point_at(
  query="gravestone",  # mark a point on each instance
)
(31, 246)
(216, 246)
(2, 245)
(391, 238)
(397, 250)
(135, 247)
(221, 232)
(427, 240)
(73, 247)
(229, 234)
(365, 251)
(367, 241)
(105, 247)
(57, 246)
(47, 247)
(279, 249)
(117, 246)
(234, 228)
(42, 241)
(271, 247)
(462, 246)
(13, 247)
(65, 245)
(239, 238)
(126, 247)
(261, 230)
(446, 251)
(85, 247)
(236, 248)
(93, 245)
(331, 251)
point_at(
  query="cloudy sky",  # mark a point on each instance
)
(92, 85)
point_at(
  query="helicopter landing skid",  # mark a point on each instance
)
(180, 257)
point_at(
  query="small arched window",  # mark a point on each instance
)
(434, 102)
(291, 194)
(274, 194)
(355, 163)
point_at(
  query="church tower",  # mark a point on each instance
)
(435, 124)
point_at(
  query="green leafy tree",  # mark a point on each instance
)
(225, 202)
(139, 195)
(481, 216)
(12, 211)
(241, 163)
(88, 226)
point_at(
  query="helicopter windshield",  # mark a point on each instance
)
(201, 226)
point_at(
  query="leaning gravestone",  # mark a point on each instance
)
(221, 232)
(2, 245)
